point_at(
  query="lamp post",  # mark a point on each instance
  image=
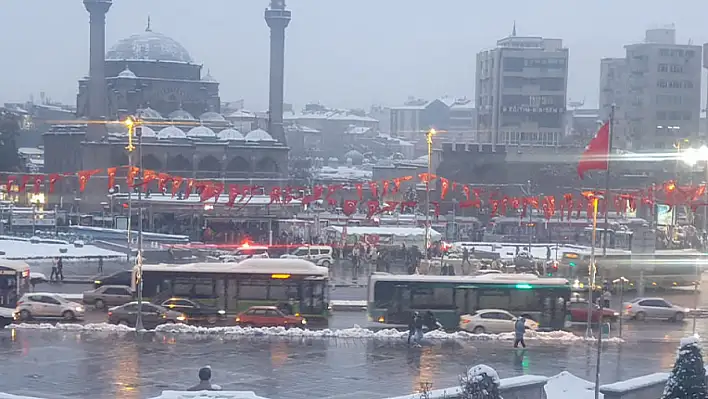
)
(592, 269)
(429, 140)
(690, 157)
(135, 129)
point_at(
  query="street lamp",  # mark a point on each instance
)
(429, 139)
(135, 130)
(592, 267)
(691, 157)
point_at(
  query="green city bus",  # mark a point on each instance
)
(234, 287)
(393, 298)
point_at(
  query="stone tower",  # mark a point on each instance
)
(97, 99)
(277, 18)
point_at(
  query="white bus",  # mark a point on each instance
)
(393, 298)
(235, 287)
(14, 281)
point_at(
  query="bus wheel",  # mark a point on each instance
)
(479, 330)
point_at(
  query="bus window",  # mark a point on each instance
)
(432, 298)
(493, 299)
(194, 287)
(523, 300)
(282, 290)
(253, 289)
(383, 294)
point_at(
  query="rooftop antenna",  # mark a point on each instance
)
(513, 29)
(148, 28)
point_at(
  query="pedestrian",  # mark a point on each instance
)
(520, 330)
(419, 323)
(54, 273)
(60, 269)
(100, 264)
(411, 327)
(466, 256)
(205, 381)
(606, 299)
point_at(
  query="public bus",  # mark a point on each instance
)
(234, 287)
(663, 269)
(392, 299)
(14, 281)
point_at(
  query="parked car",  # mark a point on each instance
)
(268, 316)
(246, 252)
(7, 316)
(321, 255)
(492, 321)
(579, 313)
(108, 295)
(152, 315)
(654, 308)
(40, 305)
(195, 311)
(123, 277)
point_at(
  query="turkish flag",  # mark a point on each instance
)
(349, 207)
(597, 153)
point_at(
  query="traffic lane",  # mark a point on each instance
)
(116, 365)
(347, 293)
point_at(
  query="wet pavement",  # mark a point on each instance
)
(62, 364)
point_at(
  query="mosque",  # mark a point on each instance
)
(153, 77)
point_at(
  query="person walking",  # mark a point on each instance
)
(60, 270)
(520, 330)
(54, 273)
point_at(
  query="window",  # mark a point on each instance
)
(662, 68)
(131, 307)
(185, 303)
(690, 53)
(523, 300)
(253, 289)
(493, 299)
(300, 252)
(50, 300)
(194, 287)
(513, 64)
(273, 313)
(432, 298)
(383, 294)
(149, 308)
(282, 290)
(664, 52)
(687, 84)
(116, 291)
(662, 83)
(677, 68)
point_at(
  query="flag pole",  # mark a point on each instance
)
(608, 197)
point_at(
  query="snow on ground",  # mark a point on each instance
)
(564, 385)
(208, 395)
(355, 332)
(18, 248)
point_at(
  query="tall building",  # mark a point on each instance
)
(656, 88)
(521, 90)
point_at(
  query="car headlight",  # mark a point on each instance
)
(181, 318)
(79, 308)
(97, 281)
(615, 314)
(304, 321)
(221, 312)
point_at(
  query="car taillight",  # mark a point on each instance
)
(20, 303)
(110, 314)
(629, 306)
(238, 319)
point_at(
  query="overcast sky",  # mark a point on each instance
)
(339, 53)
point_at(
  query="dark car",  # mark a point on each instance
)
(124, 277)
(195, 311)
(152, 315)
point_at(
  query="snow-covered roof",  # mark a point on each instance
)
(335, 115)
(397, 231)
(180, 115)
(149, 46)
(256, 200)
(30, 151)
(357, 130)
(18, 248)
(230, 134)
(171, 132)
(263, 266)
(242, 113)
(296, 127)
(212, 117)
(343, 173)
(127, 73)
(201, 131)
(149, 113)
(259, 135)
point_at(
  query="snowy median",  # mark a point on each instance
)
(355, 332)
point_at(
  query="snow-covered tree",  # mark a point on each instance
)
(481, 382)
(688, 378)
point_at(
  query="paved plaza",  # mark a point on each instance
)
(61, 364)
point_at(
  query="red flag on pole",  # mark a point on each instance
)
(597, 153)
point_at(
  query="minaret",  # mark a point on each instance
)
(97, 97)
(277, 18)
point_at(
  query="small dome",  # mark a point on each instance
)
(127, 73)
(208, 78)
(230, 134)
(149, 113)
(354, 154)
(180, 115)
(201, 131)
(148, 132)
(212, 117)
(259, 135)
(171, 132)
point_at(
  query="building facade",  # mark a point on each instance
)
(656, 90)
(521, 91)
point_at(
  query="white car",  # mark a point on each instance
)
(243, 253)
(6, 317)
(321, 255)
(654, 308)
(492, 321)
(40, 305)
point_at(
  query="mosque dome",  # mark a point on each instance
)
(355, 156)
(180, 115)
(212, 117)
(201, 131)
(171, 132)
(149, 113)
(148, 46)
(127, 74)
(148, 132)
(230, 134)
(259, 135)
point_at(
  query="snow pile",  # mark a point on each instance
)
(9, 396)
(564, 385)
(103, 327)
(690, 340)
(207, 395)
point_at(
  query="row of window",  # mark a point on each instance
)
(673, 115)
(667, 99)
(666, 52)
(674, 68)
(517, 64)
(545, 84)
(536, 138)
(674, 84)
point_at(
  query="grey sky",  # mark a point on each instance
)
(340, 53)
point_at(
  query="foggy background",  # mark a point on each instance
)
(341, 53)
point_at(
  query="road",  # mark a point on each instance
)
(63, 364)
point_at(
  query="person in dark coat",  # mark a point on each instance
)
(520, 330)
(205, 381)
(411, 327)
